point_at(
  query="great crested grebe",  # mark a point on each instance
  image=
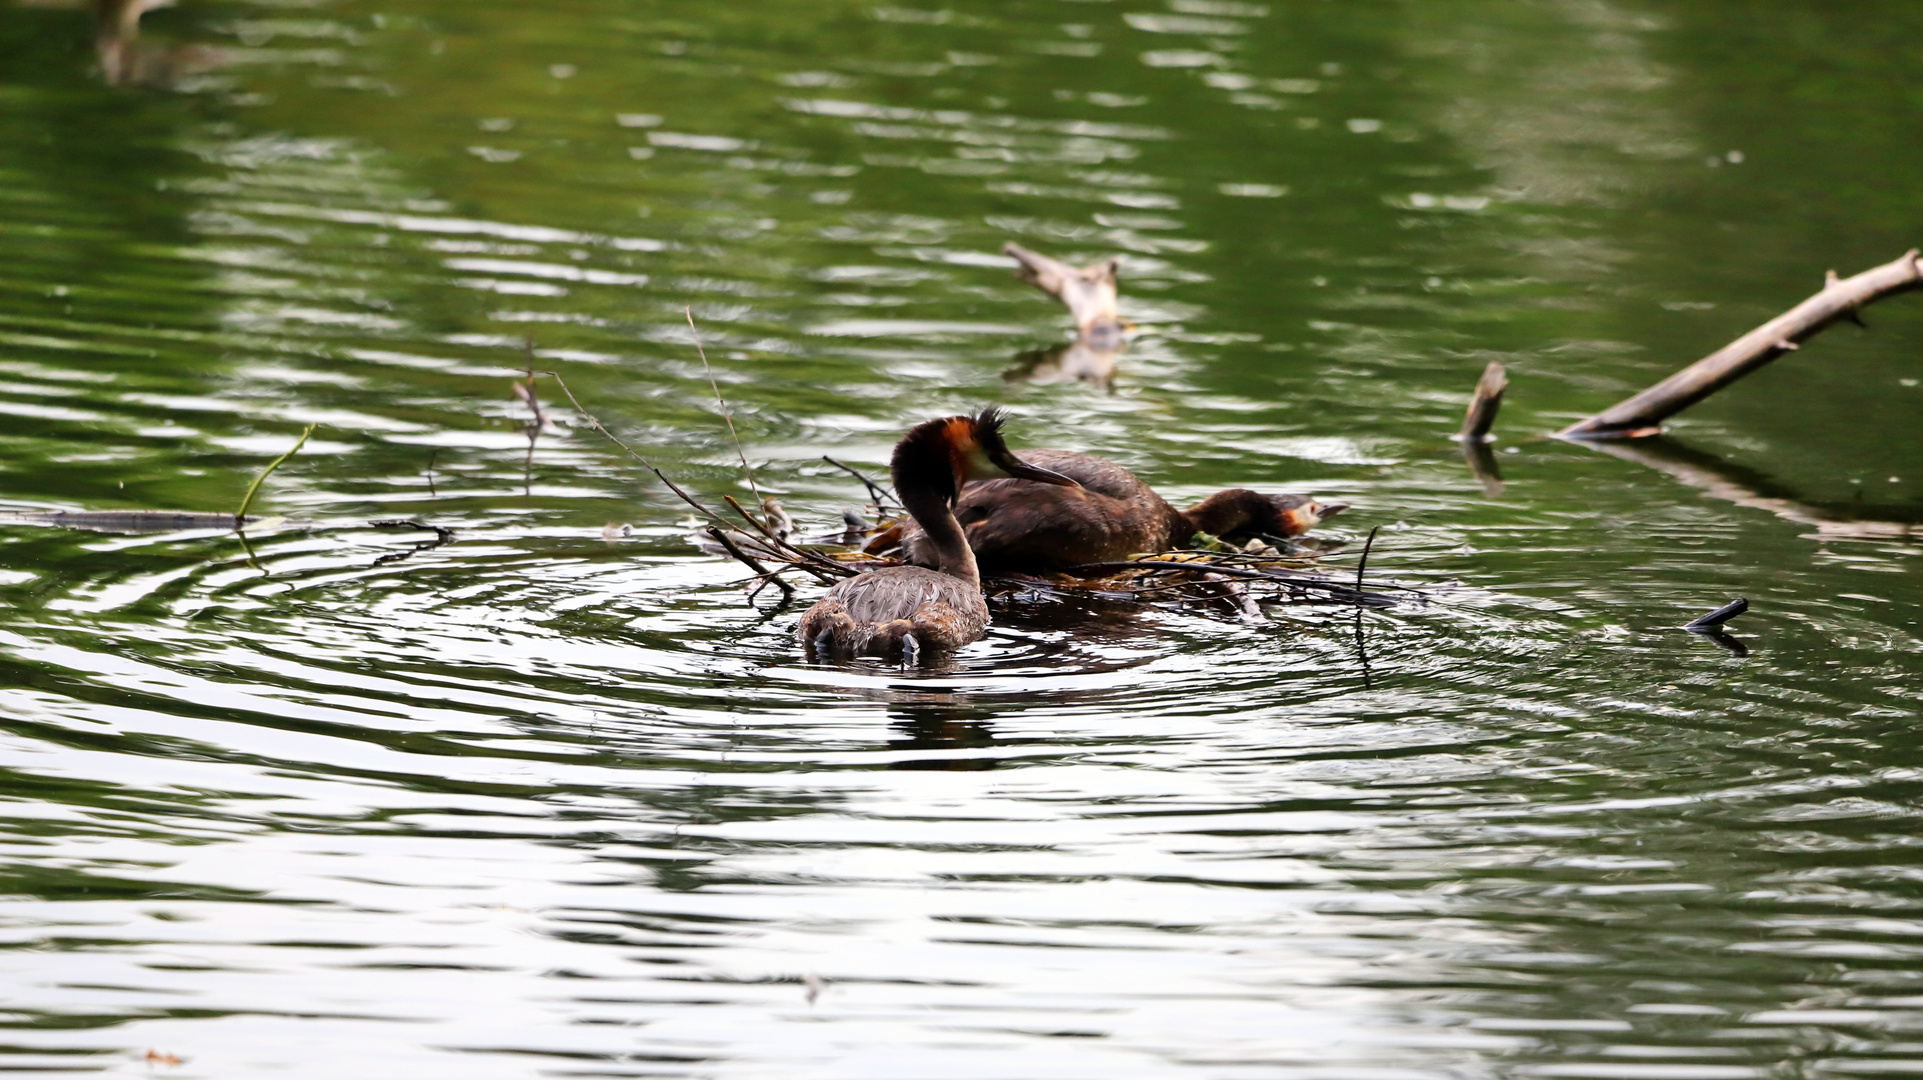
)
(907, 610)
(1029, 528)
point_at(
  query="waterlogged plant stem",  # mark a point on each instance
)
(240, 515)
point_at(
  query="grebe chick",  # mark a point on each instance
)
(1021, 527)
(938, 606)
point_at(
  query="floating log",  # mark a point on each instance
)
(1089, 293)
(1840, 298)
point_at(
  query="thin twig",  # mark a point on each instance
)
(881, 498)
(805, 559)
(645, 463)
(767, 575)
(526, 394)
(240, 515)
(822, 567)
(726, 413)
(432, 454)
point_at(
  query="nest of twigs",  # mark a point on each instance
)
(1214, 573)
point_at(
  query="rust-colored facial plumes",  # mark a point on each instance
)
(1297, 514)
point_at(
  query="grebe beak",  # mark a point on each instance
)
(1325, 511)
(1022, 470)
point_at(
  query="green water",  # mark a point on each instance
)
(554, 800)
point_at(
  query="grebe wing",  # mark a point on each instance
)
(1039, 529)
(1093, 473)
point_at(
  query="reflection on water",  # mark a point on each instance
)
(552, 798)
(1076, 361)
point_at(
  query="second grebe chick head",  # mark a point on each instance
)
(1297, 514)
(941, 455)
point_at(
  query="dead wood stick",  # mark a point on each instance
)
(1362, 564)
(749, 561)
(1484, 405)
(1839, 299)
(1236, 594)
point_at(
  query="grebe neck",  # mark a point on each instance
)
(1226, 511)
(926, 479)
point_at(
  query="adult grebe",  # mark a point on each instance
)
(907, 610)
(1017, 526)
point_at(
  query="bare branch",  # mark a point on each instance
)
(1644, 413)
(882, 501)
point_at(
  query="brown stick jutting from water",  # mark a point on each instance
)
(1484, 404)
(1840, 298)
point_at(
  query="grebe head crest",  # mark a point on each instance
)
(971, 447)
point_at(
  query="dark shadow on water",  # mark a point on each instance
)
(1720, 479)
(937, 722)
(1482, 461)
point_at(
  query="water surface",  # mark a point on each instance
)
(554, 800)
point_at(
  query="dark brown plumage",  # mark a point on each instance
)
(910, 610)
(1015, 525)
